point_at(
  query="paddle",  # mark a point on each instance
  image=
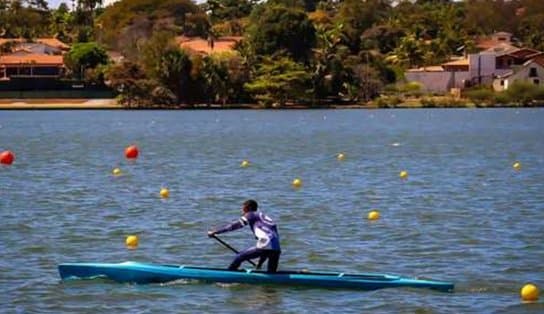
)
(230, 247)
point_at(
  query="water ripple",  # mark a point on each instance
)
(463, 215)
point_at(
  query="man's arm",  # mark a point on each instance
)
(240, 223)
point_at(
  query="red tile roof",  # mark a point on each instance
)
(53, 42)
(35, 59)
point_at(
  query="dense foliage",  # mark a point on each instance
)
(311, 51)
(84, 56)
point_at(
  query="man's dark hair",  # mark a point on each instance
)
(251, 205)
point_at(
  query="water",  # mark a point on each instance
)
(464, 215)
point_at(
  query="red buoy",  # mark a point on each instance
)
(7, 157)
(131, 152)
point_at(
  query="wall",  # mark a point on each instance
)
(438, 82)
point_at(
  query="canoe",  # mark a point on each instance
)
(141, 273)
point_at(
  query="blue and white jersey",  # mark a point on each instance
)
(263, 228)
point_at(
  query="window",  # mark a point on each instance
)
(536, 81)
(532, 72)
(502, 82)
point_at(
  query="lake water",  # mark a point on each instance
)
(463, 215)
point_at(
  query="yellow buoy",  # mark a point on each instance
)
(164, 193)
(403, 174)
(517, 166)
(132, 241)
(244, 164)
(341, 156)
(297, 183)
(529, 292)
(373, 215)
(116, 172)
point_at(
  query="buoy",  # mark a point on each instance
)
(529, 292)
(341, 156)
(517, 166)
(244, 164)
(7, 157)
(297, 183)
(164, 193)
(132, 241)
(116, 172)
(373, 215)
(403, 174)
(131, 152)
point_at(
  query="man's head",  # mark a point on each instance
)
(250, 206)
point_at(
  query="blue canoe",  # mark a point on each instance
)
(141, 273)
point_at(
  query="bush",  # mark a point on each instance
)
(502, 98)
(525, 93)
(481, 96)
(428, 102)
(387, 101)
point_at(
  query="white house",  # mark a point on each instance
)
(531, 71)
(497, 58)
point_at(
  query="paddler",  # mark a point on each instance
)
(266, 233)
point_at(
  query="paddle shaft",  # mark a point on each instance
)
(230, 248)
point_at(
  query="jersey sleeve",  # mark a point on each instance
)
(240, 223)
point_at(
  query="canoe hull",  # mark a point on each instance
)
(141, 273)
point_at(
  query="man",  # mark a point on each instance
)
(266, 232)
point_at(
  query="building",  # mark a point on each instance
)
(42, 58)
(531, 72)
(31, 65)
(498, 59)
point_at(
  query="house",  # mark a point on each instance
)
(41, 58)
(208, 46)
(497, 60)
(31, 65)
(531, 71)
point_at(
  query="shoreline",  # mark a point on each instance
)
(59, 104)
(111, 104)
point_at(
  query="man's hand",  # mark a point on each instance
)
(211, 234)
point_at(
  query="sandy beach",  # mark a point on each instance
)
(31, 104)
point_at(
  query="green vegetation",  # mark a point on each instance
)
(293, 51)
(83, 57)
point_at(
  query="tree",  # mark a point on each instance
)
(408, 53)
(83, 56)
(276, 29)
(215, 77)
(357, 16)
(278, 81)
(227, 10)
(176, 16)
(175, 73)
(131, 82)
(18, 20)
(329, 73)
(167, 64)
(60, 24)
(530, 31)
